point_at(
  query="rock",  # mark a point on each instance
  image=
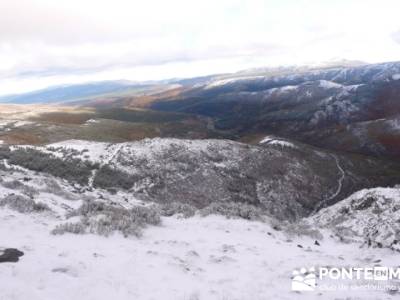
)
(10, 255)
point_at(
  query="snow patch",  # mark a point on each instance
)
(96, 152)
(273, 141)
(22, 123)
(396, 76)
(231, 80)
(329, 84)
(92, 121)
(394, 124)
(266, 139)
(352, 88)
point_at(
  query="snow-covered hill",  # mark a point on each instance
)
(201, 172)
(83, 240)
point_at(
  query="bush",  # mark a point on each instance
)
(233, 210)
(76, 228)
(183, 209)
(3, 166)
(88, 208)
(100, 218)
(4, 152)
(108, 177)
(17, 185)
(73, 170)
(23, 204)
(302, 229)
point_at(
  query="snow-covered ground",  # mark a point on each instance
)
(195, 258)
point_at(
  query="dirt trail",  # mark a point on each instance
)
(338, 189)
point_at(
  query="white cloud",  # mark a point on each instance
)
(396, 36)
(44, 42)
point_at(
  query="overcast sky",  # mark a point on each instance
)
(49, 42)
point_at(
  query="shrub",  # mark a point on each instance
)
(173, 208)
(76, 228)
(73, 170)
(100, 218)
(146, 215)
(23, 204)
(302, 229)
(108, 177)
(4, 152)
(233, 210)
(88, 208)
(17, 185)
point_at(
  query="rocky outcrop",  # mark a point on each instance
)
(371, 217)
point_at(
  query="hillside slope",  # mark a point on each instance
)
(79, 240)
(287, 180)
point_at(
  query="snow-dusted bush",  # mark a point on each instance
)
(89, 208)
(18, 185)
(233, 210)
(53, 187)
(100, 218)
(73, 170)
(108, 177)
(23, 204)
(177, 208)
(302, 229)
(76, 228)
(13, 185)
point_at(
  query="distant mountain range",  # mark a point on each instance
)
(347, 106)
(66, 93)
(354, 109)
(93, 90)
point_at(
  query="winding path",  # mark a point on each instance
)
(338, 189)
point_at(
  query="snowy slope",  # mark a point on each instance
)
(197, 258)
